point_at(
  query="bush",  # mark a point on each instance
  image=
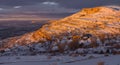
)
(73, 45)
(100, 63)
(90, 57)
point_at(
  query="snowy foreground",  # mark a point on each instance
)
(90, 59)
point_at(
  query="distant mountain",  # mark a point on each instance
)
(89, 28)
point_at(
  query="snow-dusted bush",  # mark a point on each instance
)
(80, 50)
(55, 48)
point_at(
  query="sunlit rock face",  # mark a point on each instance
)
(101, 23)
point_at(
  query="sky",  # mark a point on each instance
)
(50, 6)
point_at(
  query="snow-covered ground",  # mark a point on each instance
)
(90, 59)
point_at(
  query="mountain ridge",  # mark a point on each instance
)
(98, 22)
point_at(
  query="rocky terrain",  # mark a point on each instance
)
(92, 30)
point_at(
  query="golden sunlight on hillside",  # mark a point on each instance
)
(100, 22)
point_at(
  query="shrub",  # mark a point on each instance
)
(61, 47)
(90, 57)
(73, 45)
(100, 63)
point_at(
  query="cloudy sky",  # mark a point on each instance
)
(50, 6)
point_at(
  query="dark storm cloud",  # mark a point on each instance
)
(48, 7)
(87, 3)
(64, 3)
(19, 2)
